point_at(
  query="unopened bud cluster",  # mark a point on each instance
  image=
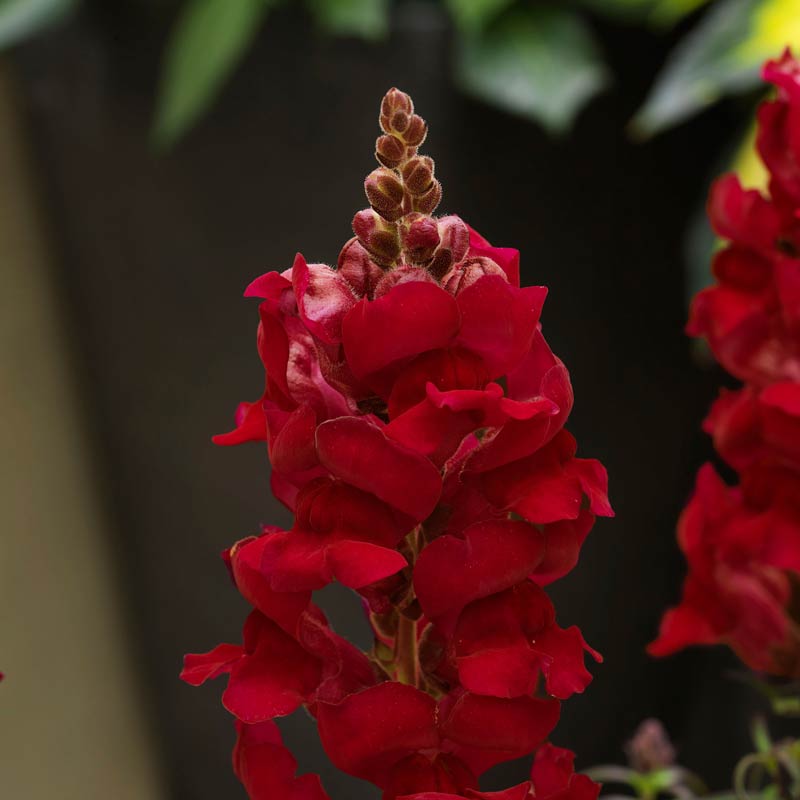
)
(398, 228)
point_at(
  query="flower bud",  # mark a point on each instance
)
(405, 273)
(418, 175)
(454, 235)
(441, 263)
(650, 748)
(420, 236)
(394, 102)
(416, 131)
(426, 203)
(358, 269)
(381, 239)
(385, 193)
(390, 151)
(468, 272)
(453, 247)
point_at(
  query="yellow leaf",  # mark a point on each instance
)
(776, 25)
(747, 164)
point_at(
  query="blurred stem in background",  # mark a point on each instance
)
(771, 772)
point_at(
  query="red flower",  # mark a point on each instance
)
(742, 565)
(414, 419)
(552, 778)
(743, 544)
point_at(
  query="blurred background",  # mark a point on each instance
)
(156, 156)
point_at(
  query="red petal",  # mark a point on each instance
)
(563, 542)
(292, 448)
(251, 425)
(201, 667)
(507, 258)
(267, 769)
(452, 572)
(246, 560)
(742, 215)
(268, 286)
(274, 678)
(489, 730)
(498, 321)
(412, 318)
(359, 452)
(368, 732)
(323, 298)
(564, 668)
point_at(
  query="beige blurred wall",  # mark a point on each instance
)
(71, 725)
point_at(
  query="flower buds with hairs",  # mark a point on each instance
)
(418, 175)
(385, 193)
(390, 151)
(381, 239)
(420, 236)
(398, 118)
(453, 247)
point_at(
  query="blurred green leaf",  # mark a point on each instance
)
(723, 54)
(366, 18)
(20, 19)
(474, 15)
(207, 43)
(660, 13)
(540, 63)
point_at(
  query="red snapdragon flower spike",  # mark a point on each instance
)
(739, 588)
(743, 544)
(414, 420)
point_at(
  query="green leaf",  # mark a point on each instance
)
(659, 13)
(540, 63)
(368, 19)
(207, 43)
(722, 55)
(474, 15)
(20, 19)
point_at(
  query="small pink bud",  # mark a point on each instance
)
(426, 203)
(420, 236)
(390, 151)
(418, 175)
(416, 131)
(394, 101)
(406, 273)
(454, 233)
(385, 193)
(358, 269)
(381, 239)
(468, 272)
(400, 122)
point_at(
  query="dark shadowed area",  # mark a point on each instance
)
(152, 256)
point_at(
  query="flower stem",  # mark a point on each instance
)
(405, 651)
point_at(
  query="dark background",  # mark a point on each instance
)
(153, 255)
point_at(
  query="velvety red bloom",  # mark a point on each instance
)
(414, 419)
(369, 733)
(552, 778)
(743, 565)
(743, 544)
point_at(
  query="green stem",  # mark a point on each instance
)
(405, 651)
